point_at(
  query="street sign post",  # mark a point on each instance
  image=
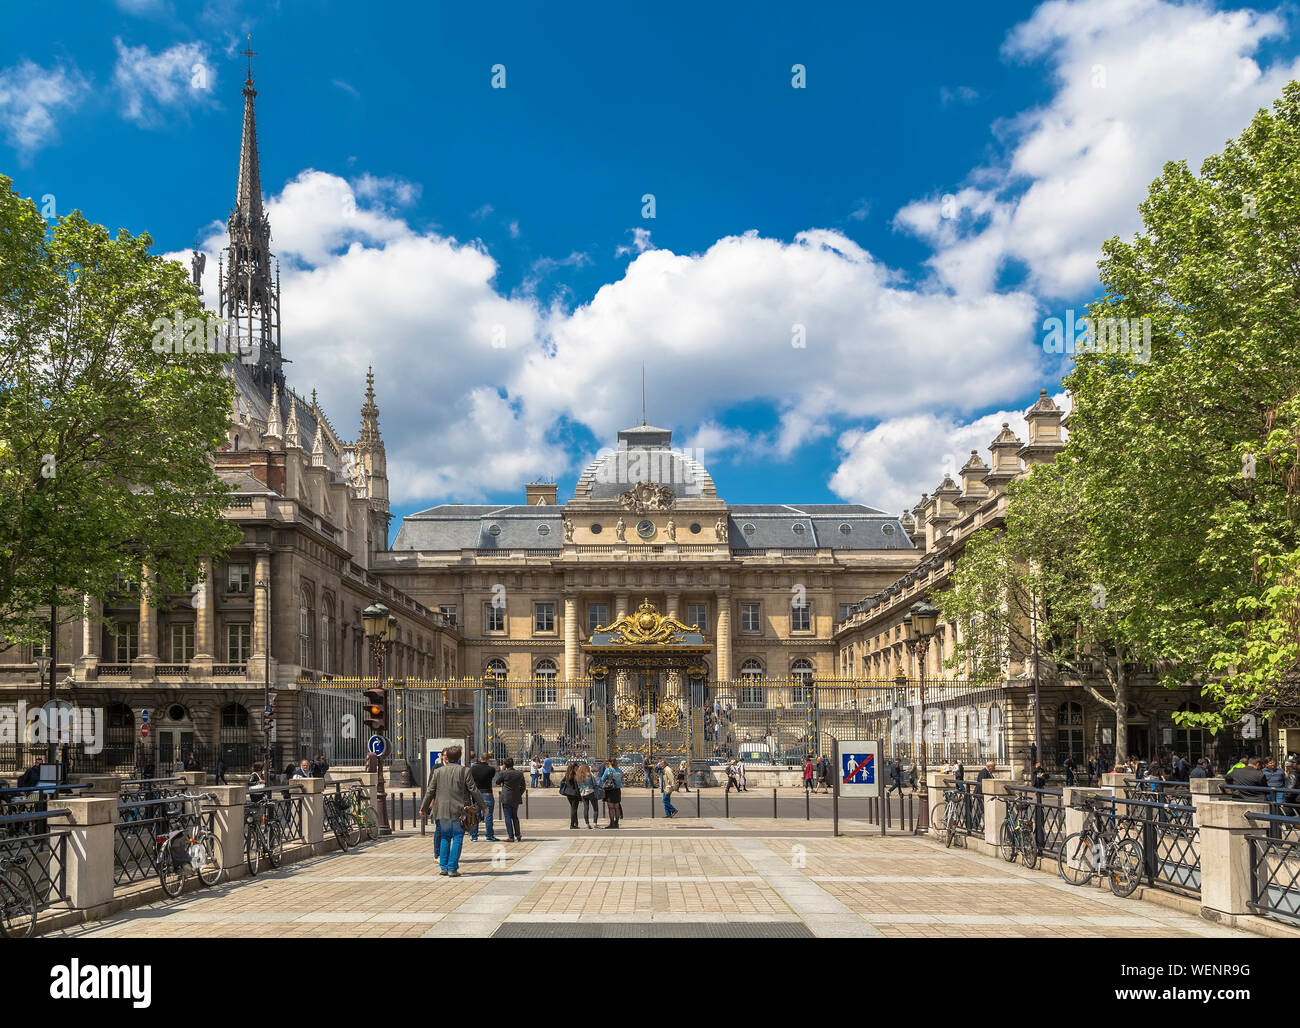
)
(377, 745)
(857, 773)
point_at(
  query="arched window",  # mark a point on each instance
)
(496, 666)
(546, 673)
(801, 671)
(1189, 742)
(751, 673)
(306, 617)
(327, 634)
(1069, 732)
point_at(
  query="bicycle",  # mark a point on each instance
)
(263, 835)
(18, 902)
(1018, 835)
(358, 805)
(949, 819)
(346, 829)
(187, 846)
(1099, 850)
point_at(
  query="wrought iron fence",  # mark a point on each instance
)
(137, 790)
(42, 850)
(1048, 813)
(1170, 840)
(140, 823)
(1275, 868)
(288, 806)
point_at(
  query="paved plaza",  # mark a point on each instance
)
(749, 876)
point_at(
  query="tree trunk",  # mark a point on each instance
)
(1121, 715)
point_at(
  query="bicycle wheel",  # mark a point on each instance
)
(1007, 843)
(211, 871)
(951, 833)
(274, 844)
(370, 821)
(253, 846)
(1126, 867)
(1075, 859)
(1028, 848)
(939, 819)
(354, 829)
(18, 904)
(170, 873)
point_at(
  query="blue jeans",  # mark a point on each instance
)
(669, 809)
(510, 813)
(487, 802)
(452, 837)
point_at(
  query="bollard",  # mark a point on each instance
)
(526, 804)
(652, 803)
(807, 806)
(697, 802)
(726, 803)
(774, 804)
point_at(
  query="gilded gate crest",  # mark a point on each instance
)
(646, 626)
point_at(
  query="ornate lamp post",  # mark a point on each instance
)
(919, 623)
(381, 630)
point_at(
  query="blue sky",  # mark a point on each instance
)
(940, 186)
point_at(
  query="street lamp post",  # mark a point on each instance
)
(920, 622)
(381, 630)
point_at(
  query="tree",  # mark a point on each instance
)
(105, 444)
(1159, 446)
(1031, 582)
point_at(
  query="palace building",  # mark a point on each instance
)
(642, 615)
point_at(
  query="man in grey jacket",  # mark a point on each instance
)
(451, 790)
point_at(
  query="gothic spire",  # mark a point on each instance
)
(273, 426)
(291, 436)
(248, 194)
(369, 414)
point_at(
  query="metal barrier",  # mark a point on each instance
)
(288, 808)
(1157, 789)
(1170, 840)
(135, 837)
(1048, 815)
(1283, 803)
(42, 849)
(970, 811)
(136, 790)
(1275, 868)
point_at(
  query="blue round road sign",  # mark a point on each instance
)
(377, 745)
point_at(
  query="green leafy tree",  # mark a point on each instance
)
(105, 444)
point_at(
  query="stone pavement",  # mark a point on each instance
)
(679, 872)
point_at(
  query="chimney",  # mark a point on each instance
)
(540, 494)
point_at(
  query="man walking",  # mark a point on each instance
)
(512, 794)
(547, 768)
(895, 780)
(451, 790)
(667, 783)
(483, 774)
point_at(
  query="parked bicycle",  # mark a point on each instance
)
(358, 806)
(186, 845)
(263, 834)
(1018, 833)
(18, 903)
(1100, 850)
(948, 818)
(346, 828)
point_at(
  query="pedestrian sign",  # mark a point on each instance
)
(859, 769)
(377, 745)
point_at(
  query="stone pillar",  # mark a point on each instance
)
(228, 822)
(1074, 819)
(572, 655)
(313, 809)
(671, 602)
(934, 785)
(92, 633)
(1225, 853)
(995, 810)
(722, 645)
(1111, 780)
(204, 628)
(261, 655)
(620, 605)
(90, 851)
(370, 782)
(148, 652)
(100, 785)
(1201, 787)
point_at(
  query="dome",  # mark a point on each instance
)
(644, 454)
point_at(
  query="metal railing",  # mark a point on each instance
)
(1283, 803)
(1048, 813)
(137, 790)
(140, 823)
(1170, 840)
(1275, 868)
(288, 802)
(43, 850)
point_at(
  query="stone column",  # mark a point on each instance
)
(672, 600)
(572, 656)
(261, 606)
(722, 645)
(90, 851)
(1225, 853)
(148, 651)
(620, 605)
(204, 630)
(228, 822)
(92, 633)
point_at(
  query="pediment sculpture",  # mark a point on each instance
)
(646, 496)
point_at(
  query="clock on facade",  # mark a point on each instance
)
(645, 528)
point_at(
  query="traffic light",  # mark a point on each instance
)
(376, 708)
